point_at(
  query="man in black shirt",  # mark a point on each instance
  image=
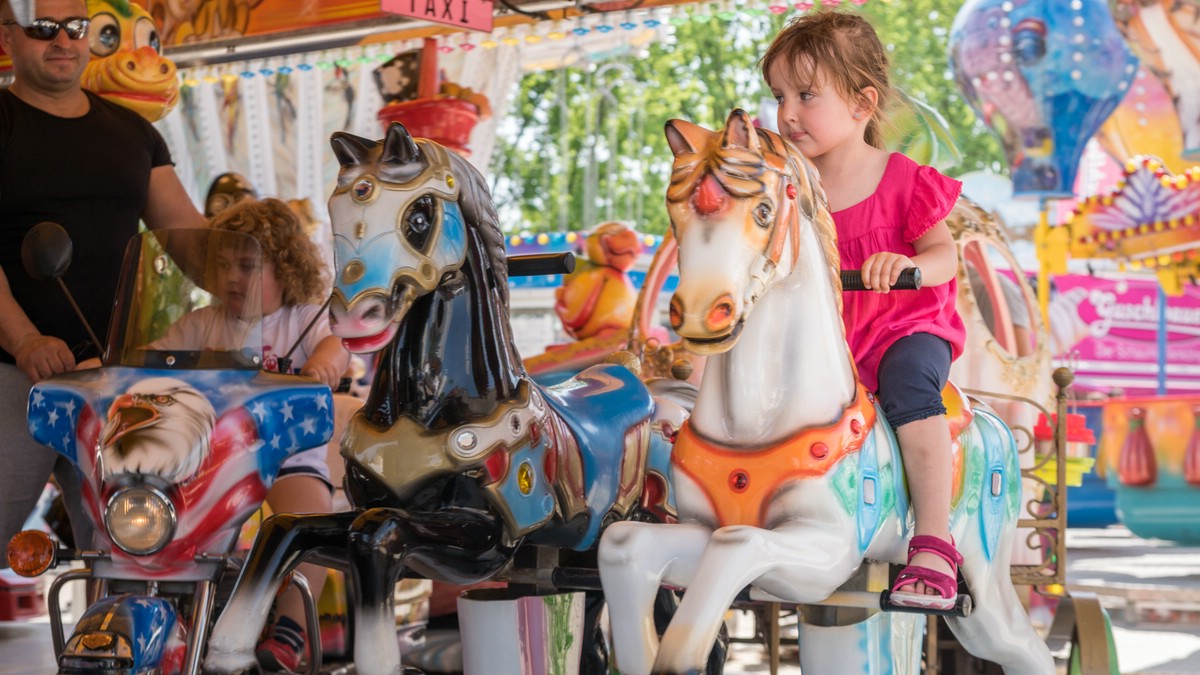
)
(70, 157)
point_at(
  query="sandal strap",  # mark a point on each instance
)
(924, 543)
(946, 585)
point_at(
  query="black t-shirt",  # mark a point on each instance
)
(90, 174)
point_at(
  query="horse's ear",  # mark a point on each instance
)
(739, 131)
(350, 149)
(399, 146)
(685, 137)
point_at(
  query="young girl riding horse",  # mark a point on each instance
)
(828, 71)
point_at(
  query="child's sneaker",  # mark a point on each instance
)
(282, 649)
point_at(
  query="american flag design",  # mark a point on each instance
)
(259, 419)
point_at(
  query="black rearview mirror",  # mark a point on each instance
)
(46, 251)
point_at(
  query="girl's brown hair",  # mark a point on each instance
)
(849, 53)
(298, 265)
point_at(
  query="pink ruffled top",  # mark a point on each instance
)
(909, 200)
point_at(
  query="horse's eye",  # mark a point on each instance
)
(418, 222)
(762, 214)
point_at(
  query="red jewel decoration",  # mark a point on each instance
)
(739, 480)
(669, 432)
(790, 190)
(535, 433)
(855, 425)
(819, 450)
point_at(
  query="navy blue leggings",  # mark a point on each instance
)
(912, 373)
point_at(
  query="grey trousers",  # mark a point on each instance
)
(26, 465)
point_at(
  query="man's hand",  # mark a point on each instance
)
(40, 356)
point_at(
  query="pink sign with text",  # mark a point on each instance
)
(1109, 328)
(472, 14)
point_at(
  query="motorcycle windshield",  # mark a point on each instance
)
(188, 298)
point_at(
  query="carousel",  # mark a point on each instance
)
(542, 466)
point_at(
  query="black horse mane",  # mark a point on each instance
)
(479, 212)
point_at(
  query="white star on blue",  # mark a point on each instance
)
(259, 411)
(295, 419)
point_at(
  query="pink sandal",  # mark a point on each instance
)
(945, 584)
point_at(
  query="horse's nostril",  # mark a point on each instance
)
(721, 314)
(675, 313)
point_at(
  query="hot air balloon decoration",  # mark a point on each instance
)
(1044, 75)
(1166, 36)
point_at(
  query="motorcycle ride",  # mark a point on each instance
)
(177, 440)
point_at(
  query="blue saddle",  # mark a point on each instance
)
(599, 405)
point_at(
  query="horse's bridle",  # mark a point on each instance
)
(768, 258)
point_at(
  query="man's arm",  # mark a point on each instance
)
(168, 205)
(38, 356)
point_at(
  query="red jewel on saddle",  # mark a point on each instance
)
(790, 191)
(855, 425)
(739, 480)
(819, 450)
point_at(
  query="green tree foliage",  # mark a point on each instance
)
(585, 144)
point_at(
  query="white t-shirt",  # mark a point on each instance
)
(211, 328)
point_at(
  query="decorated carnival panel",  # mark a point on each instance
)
(196, 21)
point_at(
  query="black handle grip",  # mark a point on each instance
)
(910, 280)
(541, 263)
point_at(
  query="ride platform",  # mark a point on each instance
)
(1149, 587)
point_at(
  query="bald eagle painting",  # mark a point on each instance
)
(161, 426)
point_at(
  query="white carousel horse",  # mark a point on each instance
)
(787, 477)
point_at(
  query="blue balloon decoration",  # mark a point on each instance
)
(1044, 75)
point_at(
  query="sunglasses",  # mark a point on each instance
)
(47, 29)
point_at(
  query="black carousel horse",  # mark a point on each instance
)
(458, 462)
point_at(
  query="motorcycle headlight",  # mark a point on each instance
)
(140, 519)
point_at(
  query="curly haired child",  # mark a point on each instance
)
(293, 285)
(289, 276)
